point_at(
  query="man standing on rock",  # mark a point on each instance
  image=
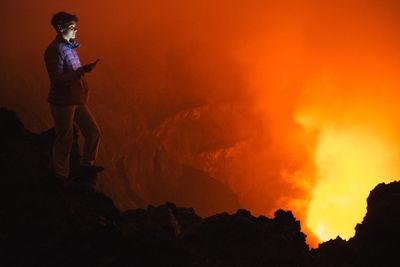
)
(68, 98)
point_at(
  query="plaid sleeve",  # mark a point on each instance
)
(55, 68)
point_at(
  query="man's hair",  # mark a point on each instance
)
(62, 18)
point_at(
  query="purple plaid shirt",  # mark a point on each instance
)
(67, 84)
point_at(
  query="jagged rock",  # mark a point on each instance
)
(332, 253)
(43, 224)
(244, 240)
(79, 226)
(376, 241)
(37, 215)
(12, 126)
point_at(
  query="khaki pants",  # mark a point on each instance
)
(64, 117)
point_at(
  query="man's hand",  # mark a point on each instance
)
(89, 67)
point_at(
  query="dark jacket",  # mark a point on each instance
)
(67, 84)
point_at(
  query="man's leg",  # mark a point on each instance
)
(90, 131)
(63, 117)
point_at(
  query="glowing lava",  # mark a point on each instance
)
(350, 162)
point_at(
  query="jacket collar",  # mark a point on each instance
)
(71, 44)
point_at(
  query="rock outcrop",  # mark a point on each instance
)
(45, 224)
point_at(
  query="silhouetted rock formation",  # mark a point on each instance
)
(40, 220)
(43, 224)
(243, 240)
(376, 241)
(332, 253)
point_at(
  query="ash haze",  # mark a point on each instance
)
(289, 105)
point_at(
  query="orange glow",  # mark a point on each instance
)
(288, 104)
(350, 162)
(356, 149)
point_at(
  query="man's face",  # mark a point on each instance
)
(69, 30)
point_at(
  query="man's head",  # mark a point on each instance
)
(65, 25)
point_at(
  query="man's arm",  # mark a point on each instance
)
(54, 64)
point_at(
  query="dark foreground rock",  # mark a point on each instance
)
(45, 224)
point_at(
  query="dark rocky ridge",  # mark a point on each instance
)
(139, 171)
(43, 224)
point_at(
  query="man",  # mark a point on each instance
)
(68, 98)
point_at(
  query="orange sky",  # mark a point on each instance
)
(317, 85)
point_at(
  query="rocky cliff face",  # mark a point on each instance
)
(232, 143)
(139, 171)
